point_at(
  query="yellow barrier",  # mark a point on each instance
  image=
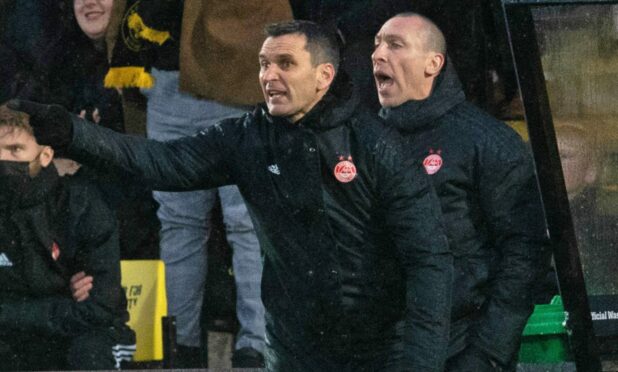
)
(143, 282)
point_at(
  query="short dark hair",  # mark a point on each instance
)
(322, 45)
(433, 37)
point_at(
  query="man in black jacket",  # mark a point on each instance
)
(486, 182)
(51, 229)
(357, 271)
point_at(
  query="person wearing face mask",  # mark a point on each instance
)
(50, 229)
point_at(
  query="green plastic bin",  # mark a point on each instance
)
(545, 336)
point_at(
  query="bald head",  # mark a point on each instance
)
(409, 54)
(428, 32)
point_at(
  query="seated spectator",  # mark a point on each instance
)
(577, 157)
(596, 237)
(52, 228)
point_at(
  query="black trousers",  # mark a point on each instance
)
(464, 357)
(90, 351)
(285, 351)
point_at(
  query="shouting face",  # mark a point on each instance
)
(291, 84)
(402, 67)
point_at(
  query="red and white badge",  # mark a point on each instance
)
(433, 162)
(345, 170)
(55, 251)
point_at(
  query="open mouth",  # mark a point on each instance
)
(93, 15)
(275, 93)
(383, 80)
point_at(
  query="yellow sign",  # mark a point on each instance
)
(143, 282)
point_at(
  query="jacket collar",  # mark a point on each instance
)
(412, 115)
(337, 105)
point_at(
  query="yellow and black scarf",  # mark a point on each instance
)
(145, 27)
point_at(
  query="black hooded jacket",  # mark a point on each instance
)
(351, 234)
(50, 230)
(485, 179)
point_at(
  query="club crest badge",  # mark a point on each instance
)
(433, 162)
(130, 36)
(55, 251)
(345, 170)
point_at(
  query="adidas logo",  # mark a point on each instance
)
(274, 169)
(123, 353)
(4, 261)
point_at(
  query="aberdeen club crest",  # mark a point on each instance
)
(433, 162)
(345, 170)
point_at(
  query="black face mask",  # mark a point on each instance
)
(14, 178)
(14, 168)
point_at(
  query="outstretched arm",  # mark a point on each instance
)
(196, 162)
(189, 163)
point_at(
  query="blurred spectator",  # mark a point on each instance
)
(578, 157)
(50, 229)
(75, 64)
(72, 68)
(597, 239)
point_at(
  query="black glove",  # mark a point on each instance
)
(52, 124)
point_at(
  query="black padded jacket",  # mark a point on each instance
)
(352, 236)
(50, 230)
(485, 179)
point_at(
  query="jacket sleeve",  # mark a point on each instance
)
(95, 233)
(189, 163)
(414, 222)
(512, 208)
